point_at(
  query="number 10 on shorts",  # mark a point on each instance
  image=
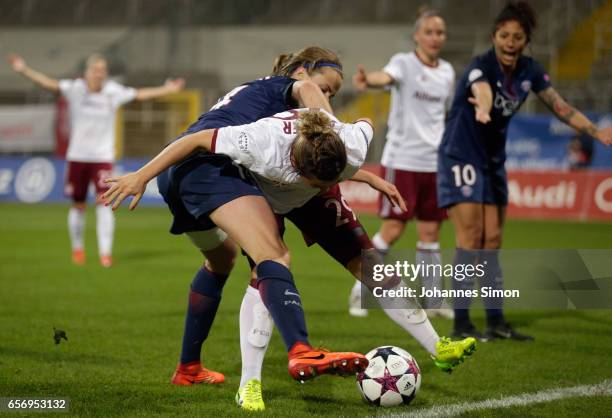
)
(464, 176)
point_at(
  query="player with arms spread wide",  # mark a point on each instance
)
(421, 87)
(93, 102)
(471, 175)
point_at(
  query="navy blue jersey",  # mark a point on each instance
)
(484, 145)
(248, 103)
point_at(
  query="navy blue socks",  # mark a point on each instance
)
(279, 294)
(204, 299)
(492, 279)
(461, 304)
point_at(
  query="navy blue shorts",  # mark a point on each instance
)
(196, 187)
(460, 181)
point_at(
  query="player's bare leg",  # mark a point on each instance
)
(262, 242)
(390, 231)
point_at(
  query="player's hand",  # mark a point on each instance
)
(360, 81)
(604, 135)
(391, 193)
(174, 85)
(130, 184)
(17, 62)
(481, 115)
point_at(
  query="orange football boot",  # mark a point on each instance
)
(306, 362)
(192, 373)
(78, 257)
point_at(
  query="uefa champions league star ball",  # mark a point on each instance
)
(392, 378)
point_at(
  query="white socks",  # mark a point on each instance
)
(105, 228)
(428, 253)
(76, 228)
(407, 313)
(416, 323)
(356, 290)
(379, 243)
(255, 332)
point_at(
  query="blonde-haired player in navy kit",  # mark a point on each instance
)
(93, 102)
(421, 87)
(472, 181)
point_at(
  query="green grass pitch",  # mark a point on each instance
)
(124, 327)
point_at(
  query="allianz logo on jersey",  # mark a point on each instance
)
(421, 95)
(507, 106)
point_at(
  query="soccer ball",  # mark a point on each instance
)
(392, 378)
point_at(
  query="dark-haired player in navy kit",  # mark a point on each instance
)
(471, 175)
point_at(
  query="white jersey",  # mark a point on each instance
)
(92, 119)
(420, 97)
(264, 147)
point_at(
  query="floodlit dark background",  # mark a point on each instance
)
(219, 44)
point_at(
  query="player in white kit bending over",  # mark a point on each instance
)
(93, 102)
(421, 88)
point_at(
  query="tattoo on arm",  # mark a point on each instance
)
(557, 105)
(565, 112)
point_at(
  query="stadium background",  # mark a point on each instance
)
(216, 45)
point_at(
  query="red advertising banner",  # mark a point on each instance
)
(575, 195)
(578, 195)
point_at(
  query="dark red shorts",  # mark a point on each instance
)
(419, 192)
(328, 220)
(79, 175)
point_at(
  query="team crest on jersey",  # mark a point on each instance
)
(466, 191)
(526, 85)
(243, 141)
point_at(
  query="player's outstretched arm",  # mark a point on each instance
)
(362, 79)
(308, 94)
(482, 101)
(19, 65)
(134, 184)
(383, 186)
(172, 85)
(573, 117)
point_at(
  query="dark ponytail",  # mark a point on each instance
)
(520, 11)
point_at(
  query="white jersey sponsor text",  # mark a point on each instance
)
(420, 96)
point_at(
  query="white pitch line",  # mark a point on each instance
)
(450, 410)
